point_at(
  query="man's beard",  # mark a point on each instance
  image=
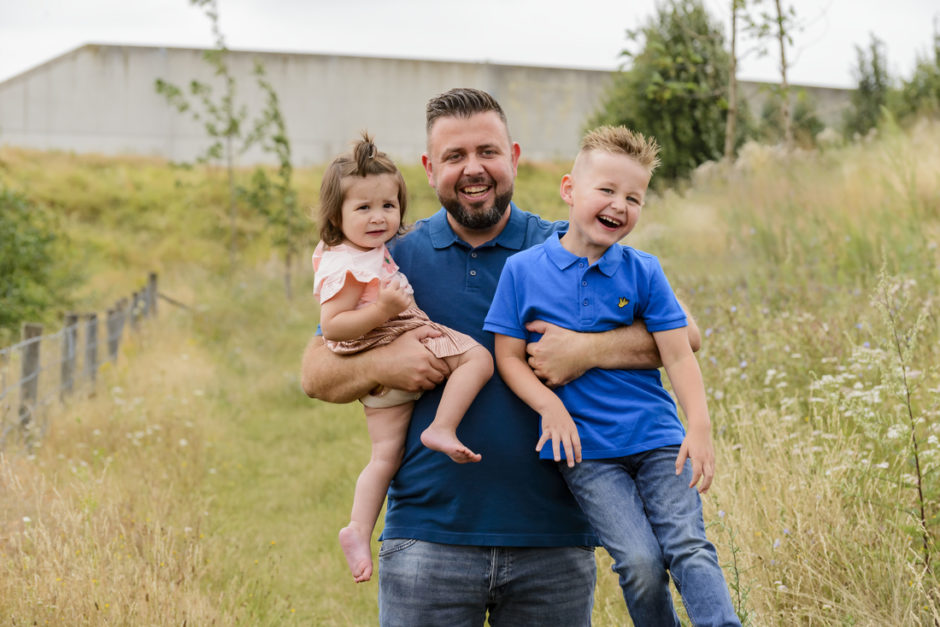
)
(480, 219)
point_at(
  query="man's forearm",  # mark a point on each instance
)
(624, 348)
(633, 347)
(335, 378)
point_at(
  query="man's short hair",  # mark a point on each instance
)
(623, 141)
(462, 102)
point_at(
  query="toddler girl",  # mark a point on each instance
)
(365, 303)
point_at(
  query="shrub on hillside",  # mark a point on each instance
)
(30, 283)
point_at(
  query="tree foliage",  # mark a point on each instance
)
(32, 279)
(921, 94)
(675, 87)
(872, 92)
(805, 123)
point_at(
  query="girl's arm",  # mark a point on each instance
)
(686, 379)
(340, 320)
(557, 424)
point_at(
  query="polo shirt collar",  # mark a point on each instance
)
(512, 236)
(563, 258)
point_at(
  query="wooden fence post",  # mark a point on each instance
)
(114, 333)
(91, 347)
(152, 293)
(29, 373)
(135, 310)
(69, 346)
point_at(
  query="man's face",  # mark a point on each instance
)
(471, 165)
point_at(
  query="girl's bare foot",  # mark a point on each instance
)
(445, 441)
(358, 553)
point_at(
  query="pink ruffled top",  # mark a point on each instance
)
(332, 264)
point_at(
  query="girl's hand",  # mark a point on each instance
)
(393, 299)
(558, 427)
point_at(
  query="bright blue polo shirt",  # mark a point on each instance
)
(510, 498)
(617, 412)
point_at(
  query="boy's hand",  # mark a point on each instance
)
(697, 446)
(558, 427)
(393, 299)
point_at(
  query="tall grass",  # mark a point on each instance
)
(199, 485)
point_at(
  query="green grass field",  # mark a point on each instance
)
(199, 486)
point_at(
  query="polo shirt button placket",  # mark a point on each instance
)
(472, 280)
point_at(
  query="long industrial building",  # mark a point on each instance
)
(102, 99)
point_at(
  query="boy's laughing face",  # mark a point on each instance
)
(605, 193)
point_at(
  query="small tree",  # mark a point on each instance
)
(732, 119)
(276, 199)
(675, 87)
(872, 91)
(777, 24)
(222, 118)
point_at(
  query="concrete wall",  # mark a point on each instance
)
(101, 98)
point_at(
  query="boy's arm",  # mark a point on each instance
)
(686, 379)
(563, 355)
(405, 364)
(557, 424)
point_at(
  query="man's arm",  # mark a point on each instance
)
(563, 355)
(405, 364)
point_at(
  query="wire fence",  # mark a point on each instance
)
(44, 369)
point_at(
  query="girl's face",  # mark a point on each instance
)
(371, 214)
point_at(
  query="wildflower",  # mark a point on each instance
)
(776, 543)
(183, 442)
(721, 513)
(27, 519)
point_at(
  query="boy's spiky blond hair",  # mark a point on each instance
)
(621, 140)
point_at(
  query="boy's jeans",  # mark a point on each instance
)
(424, 584)
(650, 521)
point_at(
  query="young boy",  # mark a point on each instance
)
(628, 461)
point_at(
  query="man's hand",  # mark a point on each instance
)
(406, 364)
(558, 358)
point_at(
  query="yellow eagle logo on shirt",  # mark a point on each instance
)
(623, 302)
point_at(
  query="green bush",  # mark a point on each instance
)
(31, 284)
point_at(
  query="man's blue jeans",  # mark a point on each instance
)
(428, 584)
(650, 521)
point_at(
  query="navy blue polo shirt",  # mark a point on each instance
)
(510, 498)
(617, 412)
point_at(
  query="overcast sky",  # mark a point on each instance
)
(574, 33)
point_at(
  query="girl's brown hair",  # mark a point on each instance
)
(365, 160)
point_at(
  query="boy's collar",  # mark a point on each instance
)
(512, 236)
(563, 258)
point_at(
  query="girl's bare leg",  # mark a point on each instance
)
(469, 373)
(387, 429)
